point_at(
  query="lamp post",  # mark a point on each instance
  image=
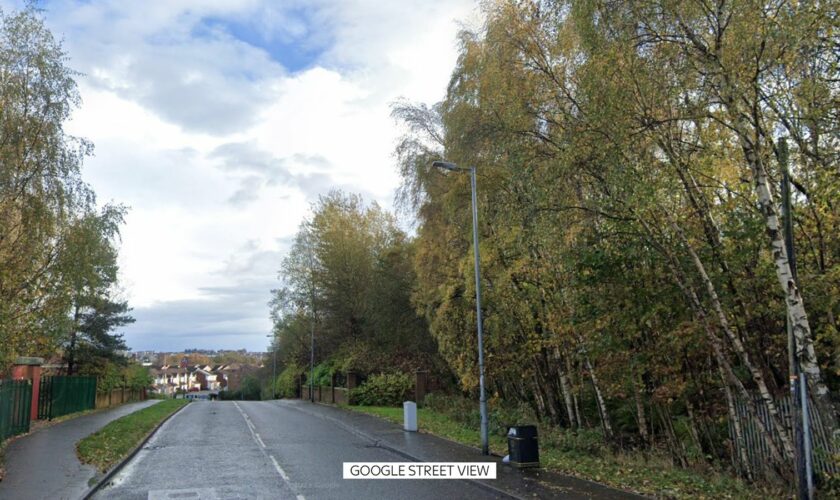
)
(485, 447)
(273, 368)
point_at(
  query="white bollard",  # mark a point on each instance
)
(410, 416)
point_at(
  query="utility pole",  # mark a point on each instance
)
(312, 326)
(482, 398)
(273, 347)
(803, 466)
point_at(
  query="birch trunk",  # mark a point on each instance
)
(564, 388)
(738, 347)
(749, 137)
(640, 412)
(717, 348)
(599, 397)
(796, 306)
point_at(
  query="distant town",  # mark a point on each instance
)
(198, 370)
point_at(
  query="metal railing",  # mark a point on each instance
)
(15, 407)
(62, 395)
(757, 451)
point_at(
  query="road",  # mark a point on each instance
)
(263, 449)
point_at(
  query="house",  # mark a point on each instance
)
(208, 379)
(169, 379)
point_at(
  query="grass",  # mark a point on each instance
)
(113, 442)
(641, 473)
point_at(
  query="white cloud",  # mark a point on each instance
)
(219, 149)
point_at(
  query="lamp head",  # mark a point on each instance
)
(446, 165)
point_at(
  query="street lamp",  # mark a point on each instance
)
(273, 368)
(485, 448)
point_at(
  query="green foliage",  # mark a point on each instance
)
(348, 276)
(287, 381)
(621, 151)
(323, 374)
(137, 376)
(583, 454)
(251, 390)
(58, 256)
(384, 389)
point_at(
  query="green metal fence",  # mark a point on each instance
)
(60, 395)
(15, 407)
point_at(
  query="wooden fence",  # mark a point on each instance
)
(119, 396)
(757, 451)
(343, 383)
(326, 394)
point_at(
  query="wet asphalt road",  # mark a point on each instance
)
(255, 449)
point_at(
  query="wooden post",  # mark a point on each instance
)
(421, 385)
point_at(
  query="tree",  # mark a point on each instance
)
(40, 186)
(350, 271)
(88, 263)
(626, 154)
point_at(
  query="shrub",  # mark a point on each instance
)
(466, 412)
(585, 441)
(323, 373)
(287, 381)
(385, 389)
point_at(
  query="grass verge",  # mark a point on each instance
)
(644, 474)
(110, 444)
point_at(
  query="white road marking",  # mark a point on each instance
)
(279, 469)
(259, 441)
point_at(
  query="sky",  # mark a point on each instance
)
(219, 122)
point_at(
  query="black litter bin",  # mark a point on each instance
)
(522, 446)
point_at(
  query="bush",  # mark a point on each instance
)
(323, 373)
(585, 441)
(251, 391)
(385, 389)
(287, 381)
(466, 411)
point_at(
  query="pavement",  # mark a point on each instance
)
(44, 464)
(295, 449)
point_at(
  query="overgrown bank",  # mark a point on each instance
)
(581, 454)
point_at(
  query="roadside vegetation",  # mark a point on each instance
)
(59, 291)
(106, 447)
(635, 279)
(580, 454)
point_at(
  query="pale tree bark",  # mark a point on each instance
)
(599, 397)
(640, 412)
(717, 347)
(564, 388)
(574, 385)
(738, 346)
(749, 138)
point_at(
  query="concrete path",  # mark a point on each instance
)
(44, 464)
